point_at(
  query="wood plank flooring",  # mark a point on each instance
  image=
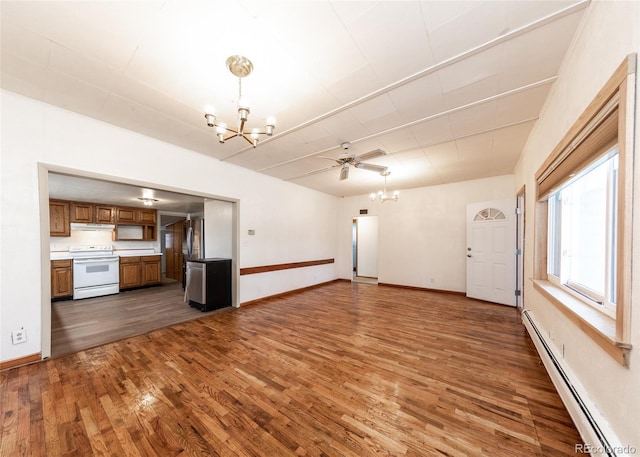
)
(341, 370)
(82, 324)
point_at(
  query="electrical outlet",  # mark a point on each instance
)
(19, 336)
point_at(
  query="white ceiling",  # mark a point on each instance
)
(449, 89)
(82, 189)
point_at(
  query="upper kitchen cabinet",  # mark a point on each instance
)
(59, 218)
(136, 215)
(82, 212)
(147, 216)
(126, 214)
(105, 214)
(134, 224)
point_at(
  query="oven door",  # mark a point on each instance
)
(96, 272)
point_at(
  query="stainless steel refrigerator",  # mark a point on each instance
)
(194, 238)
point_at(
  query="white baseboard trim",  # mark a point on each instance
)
(598, 437)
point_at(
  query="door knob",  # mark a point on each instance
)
(469, 255)
(468, 249)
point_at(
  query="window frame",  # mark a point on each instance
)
(582, 144)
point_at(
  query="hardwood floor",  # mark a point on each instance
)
(341, 370)
(82, 324)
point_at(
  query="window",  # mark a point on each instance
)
(583, 217)
(582, 233)
(489, 214)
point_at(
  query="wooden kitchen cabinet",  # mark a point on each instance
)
(147, 216)
(105, 214)
(135, 215)
(139, 271)
(151, 270)
(130, 218)
(126, 214)
(59, 218)
(61, 278)
(82, 212)
(130, 272)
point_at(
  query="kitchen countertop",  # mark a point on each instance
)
(64, 255)
(135, 252)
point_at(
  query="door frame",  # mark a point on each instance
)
(354, 267)
(520, 251)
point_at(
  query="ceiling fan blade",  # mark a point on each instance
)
(329, 158)
(314, 172)
(371, 154)
(371, 167)
(344, 172)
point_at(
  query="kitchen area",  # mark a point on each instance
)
(123, 264)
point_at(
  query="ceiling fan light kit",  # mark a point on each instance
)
(240, 66)
(382, 195)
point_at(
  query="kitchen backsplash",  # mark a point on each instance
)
(86, 238)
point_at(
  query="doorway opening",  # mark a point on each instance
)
(71, 185)
(365, 249)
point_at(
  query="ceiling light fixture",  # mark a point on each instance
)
(240, 66)
(382, 195)
(148, 201)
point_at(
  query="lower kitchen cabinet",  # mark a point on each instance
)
(130, 272)
(61, 278)
(139, 271)
(151, 270)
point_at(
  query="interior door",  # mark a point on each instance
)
(491, 260)
(173, 250)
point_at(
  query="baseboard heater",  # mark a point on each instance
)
(587, 425)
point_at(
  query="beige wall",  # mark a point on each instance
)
(609, 32)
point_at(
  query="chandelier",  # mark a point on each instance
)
(382, 195)
(240, 66)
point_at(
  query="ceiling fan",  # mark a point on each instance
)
(348, 159)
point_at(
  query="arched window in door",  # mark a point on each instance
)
(489, 214)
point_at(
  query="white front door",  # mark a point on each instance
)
(490, 252)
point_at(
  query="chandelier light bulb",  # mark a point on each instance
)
(211, 119)
(243, 114)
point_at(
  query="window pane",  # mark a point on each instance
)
(555, 223)
(613, 232)
(584, 231)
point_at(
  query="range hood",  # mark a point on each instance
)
(93, 227)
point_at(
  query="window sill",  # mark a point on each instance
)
(599, 327)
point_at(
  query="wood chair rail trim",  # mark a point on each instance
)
(283, 266)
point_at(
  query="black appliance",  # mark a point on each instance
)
(208, 283)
